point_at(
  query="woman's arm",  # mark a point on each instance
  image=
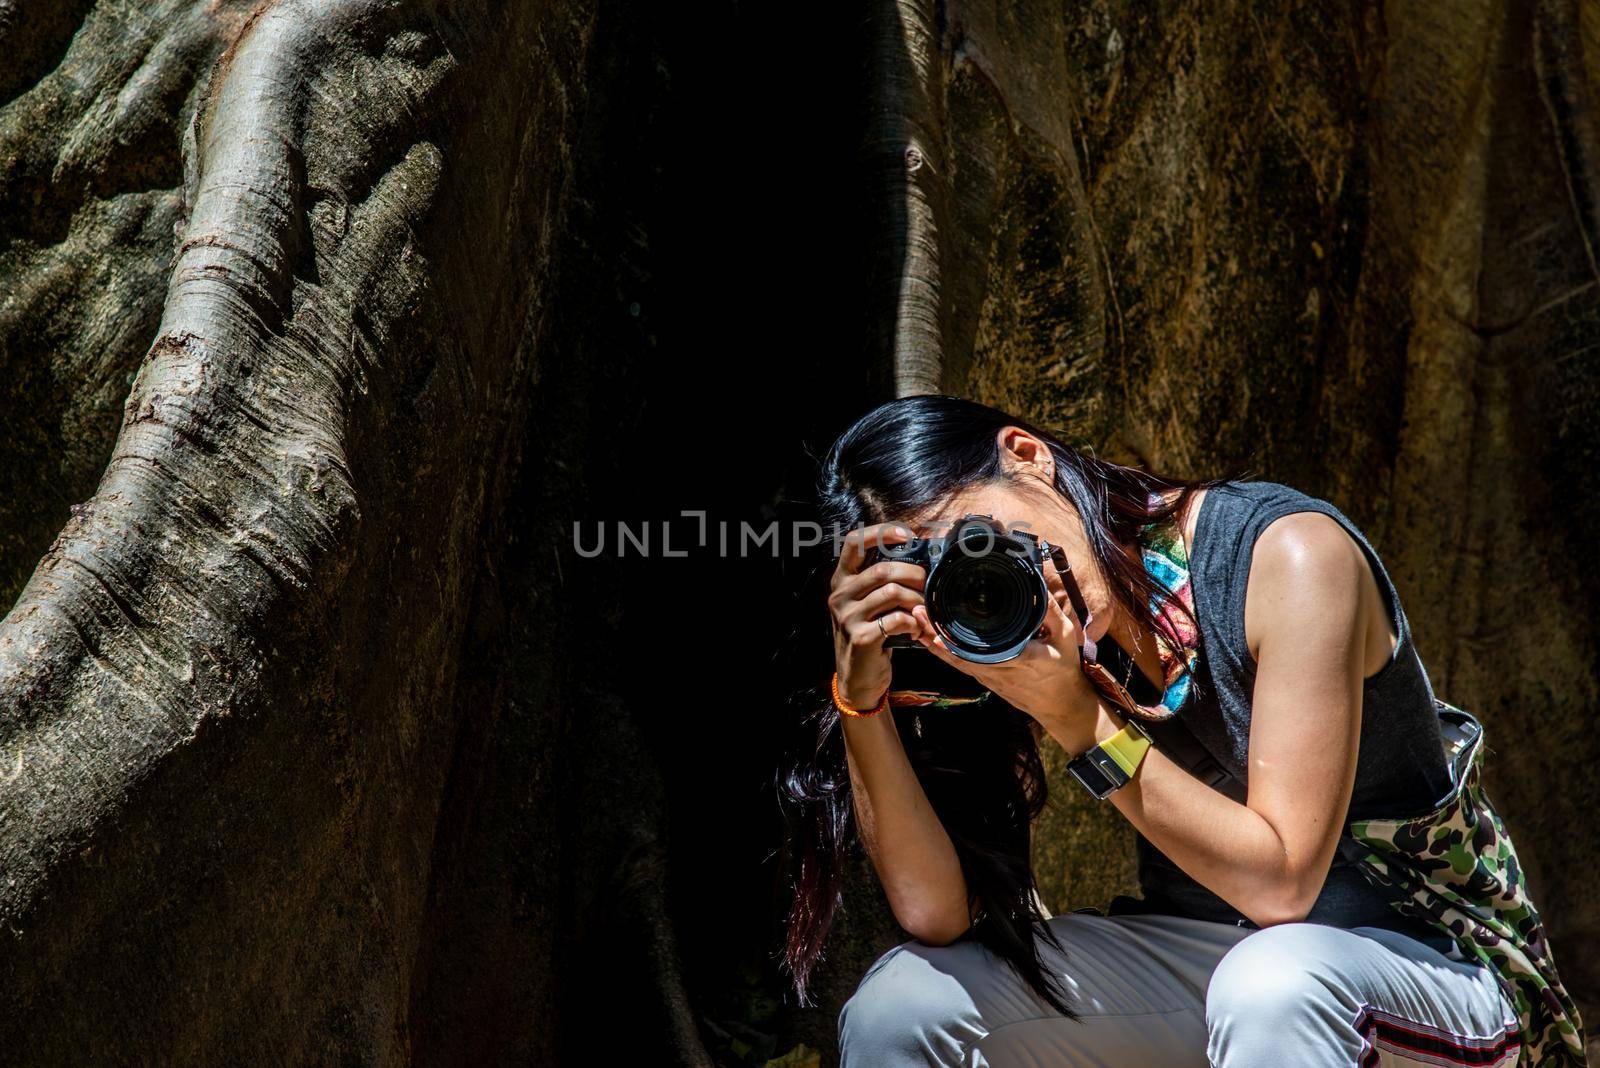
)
(910, 849)
(915, 860)
(1306, 602)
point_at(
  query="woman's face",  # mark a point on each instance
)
(1027, 501)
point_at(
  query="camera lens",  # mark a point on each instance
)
(989, 600)
(986, 599)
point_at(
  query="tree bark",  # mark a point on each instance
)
(234, 718)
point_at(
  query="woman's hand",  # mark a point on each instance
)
(1046, 681)
(868, 604)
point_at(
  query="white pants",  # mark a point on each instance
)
(1166, 992)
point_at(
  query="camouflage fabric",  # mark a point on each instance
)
(1457, 870)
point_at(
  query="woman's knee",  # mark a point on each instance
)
(1276, 989)
(1276, 967)
(910, 1007)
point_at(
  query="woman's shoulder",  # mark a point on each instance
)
(1234, 516)
(1261, 522)
(1244, 508)
(1236, 512)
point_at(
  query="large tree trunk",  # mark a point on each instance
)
(321, 323)
(248, 689)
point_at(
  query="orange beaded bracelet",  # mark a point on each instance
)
(838, 702)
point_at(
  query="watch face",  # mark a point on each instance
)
(1094, 780)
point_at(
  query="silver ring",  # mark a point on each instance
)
(881, 630)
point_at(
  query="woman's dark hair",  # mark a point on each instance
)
(980, 769)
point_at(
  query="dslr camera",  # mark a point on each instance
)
(985, 590)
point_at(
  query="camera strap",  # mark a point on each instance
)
(1171, 735)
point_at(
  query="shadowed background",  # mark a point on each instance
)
(321, 324)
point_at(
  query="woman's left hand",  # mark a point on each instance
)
(1046, 681)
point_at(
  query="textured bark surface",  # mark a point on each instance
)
(321, 323)
(245, 695)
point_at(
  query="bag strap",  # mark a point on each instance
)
(1175, 738)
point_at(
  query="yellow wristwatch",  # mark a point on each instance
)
(1110, 765)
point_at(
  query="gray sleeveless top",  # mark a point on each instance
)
(1400, 769)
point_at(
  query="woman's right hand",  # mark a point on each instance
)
(868, 603)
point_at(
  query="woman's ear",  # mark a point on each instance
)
(1023, 454)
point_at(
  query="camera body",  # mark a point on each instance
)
(985, 590)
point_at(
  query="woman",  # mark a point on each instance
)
(1266, 622)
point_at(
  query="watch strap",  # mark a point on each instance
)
(1109, 765)
(1127, 747)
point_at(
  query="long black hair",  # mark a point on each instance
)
(981, 770)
